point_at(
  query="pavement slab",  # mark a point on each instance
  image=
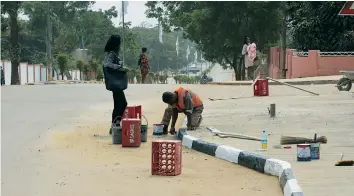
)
(297, 114)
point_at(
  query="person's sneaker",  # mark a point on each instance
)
(173, 132)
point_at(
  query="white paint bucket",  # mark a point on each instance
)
(157, 129)
(303, 152)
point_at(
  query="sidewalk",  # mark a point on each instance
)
(298, 114)
(295, 81)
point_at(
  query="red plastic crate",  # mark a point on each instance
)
(132, 111)
(131, 134)
(260, 88)
(166, 158)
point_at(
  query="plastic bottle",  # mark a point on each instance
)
(264, 140)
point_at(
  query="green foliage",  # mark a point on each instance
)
(80, 65)
(62, 63)
(183, 79)
(317, 26)
(99, 74)
(219, 27)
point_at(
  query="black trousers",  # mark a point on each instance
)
(120, 103)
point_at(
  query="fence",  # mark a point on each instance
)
(309, 64)
(33, 73)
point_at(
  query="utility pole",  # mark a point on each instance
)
(123, 13)
(283, 43)
(49, 44)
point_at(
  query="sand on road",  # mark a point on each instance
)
(82, 161)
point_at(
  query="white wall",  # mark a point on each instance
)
(44, 73)
(37, 73)
(23, 73)
(7, 72)
(30, 73)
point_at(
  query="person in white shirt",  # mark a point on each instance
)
(247, 62)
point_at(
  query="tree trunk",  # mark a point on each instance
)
(15, 48)
(62, 76)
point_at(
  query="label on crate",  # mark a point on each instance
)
(126, 112)
(131, 133)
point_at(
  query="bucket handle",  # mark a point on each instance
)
(147, 123)
(115, 119)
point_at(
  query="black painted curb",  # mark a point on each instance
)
(257, 162)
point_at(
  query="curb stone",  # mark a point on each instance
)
(260, 163)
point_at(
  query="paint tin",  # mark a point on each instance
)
(303, 152)
(157, 129)
(315, 151)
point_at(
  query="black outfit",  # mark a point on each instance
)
(120, 103)
(116, 81)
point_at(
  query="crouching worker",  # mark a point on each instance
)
(182, 100)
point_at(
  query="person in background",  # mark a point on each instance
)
(182, 100)
(144, 64)
(115, 78)
(247, 63)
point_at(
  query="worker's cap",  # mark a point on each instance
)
(167, 97)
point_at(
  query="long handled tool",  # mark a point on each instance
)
(233, 135)
(220, 99)
(292, 86)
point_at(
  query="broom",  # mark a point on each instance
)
(301, 140)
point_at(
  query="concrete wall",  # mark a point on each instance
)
(308, 66)
(32, 73)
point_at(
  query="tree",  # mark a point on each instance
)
(80, 66)
(219, 28)
(12, 8)
(317, 26)
(62, 64)
(93, 66)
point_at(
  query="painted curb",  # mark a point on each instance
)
(260, 163)
(314, 82)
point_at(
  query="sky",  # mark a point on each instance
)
(136, 11)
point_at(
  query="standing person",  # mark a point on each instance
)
(144, 64)
(182, 101)
(116, 79)
(247, 63)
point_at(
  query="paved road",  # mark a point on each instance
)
(31, 113)
(28, 112)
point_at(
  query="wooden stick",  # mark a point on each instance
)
(292, 86)
(236, 135)
(233, 136)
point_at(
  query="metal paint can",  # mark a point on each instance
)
(303, 152)
(315, 151)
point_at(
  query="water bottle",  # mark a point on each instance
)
(264, 140)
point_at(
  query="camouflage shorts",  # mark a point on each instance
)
(196, 116)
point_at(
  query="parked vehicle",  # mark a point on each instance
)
(345, 83)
